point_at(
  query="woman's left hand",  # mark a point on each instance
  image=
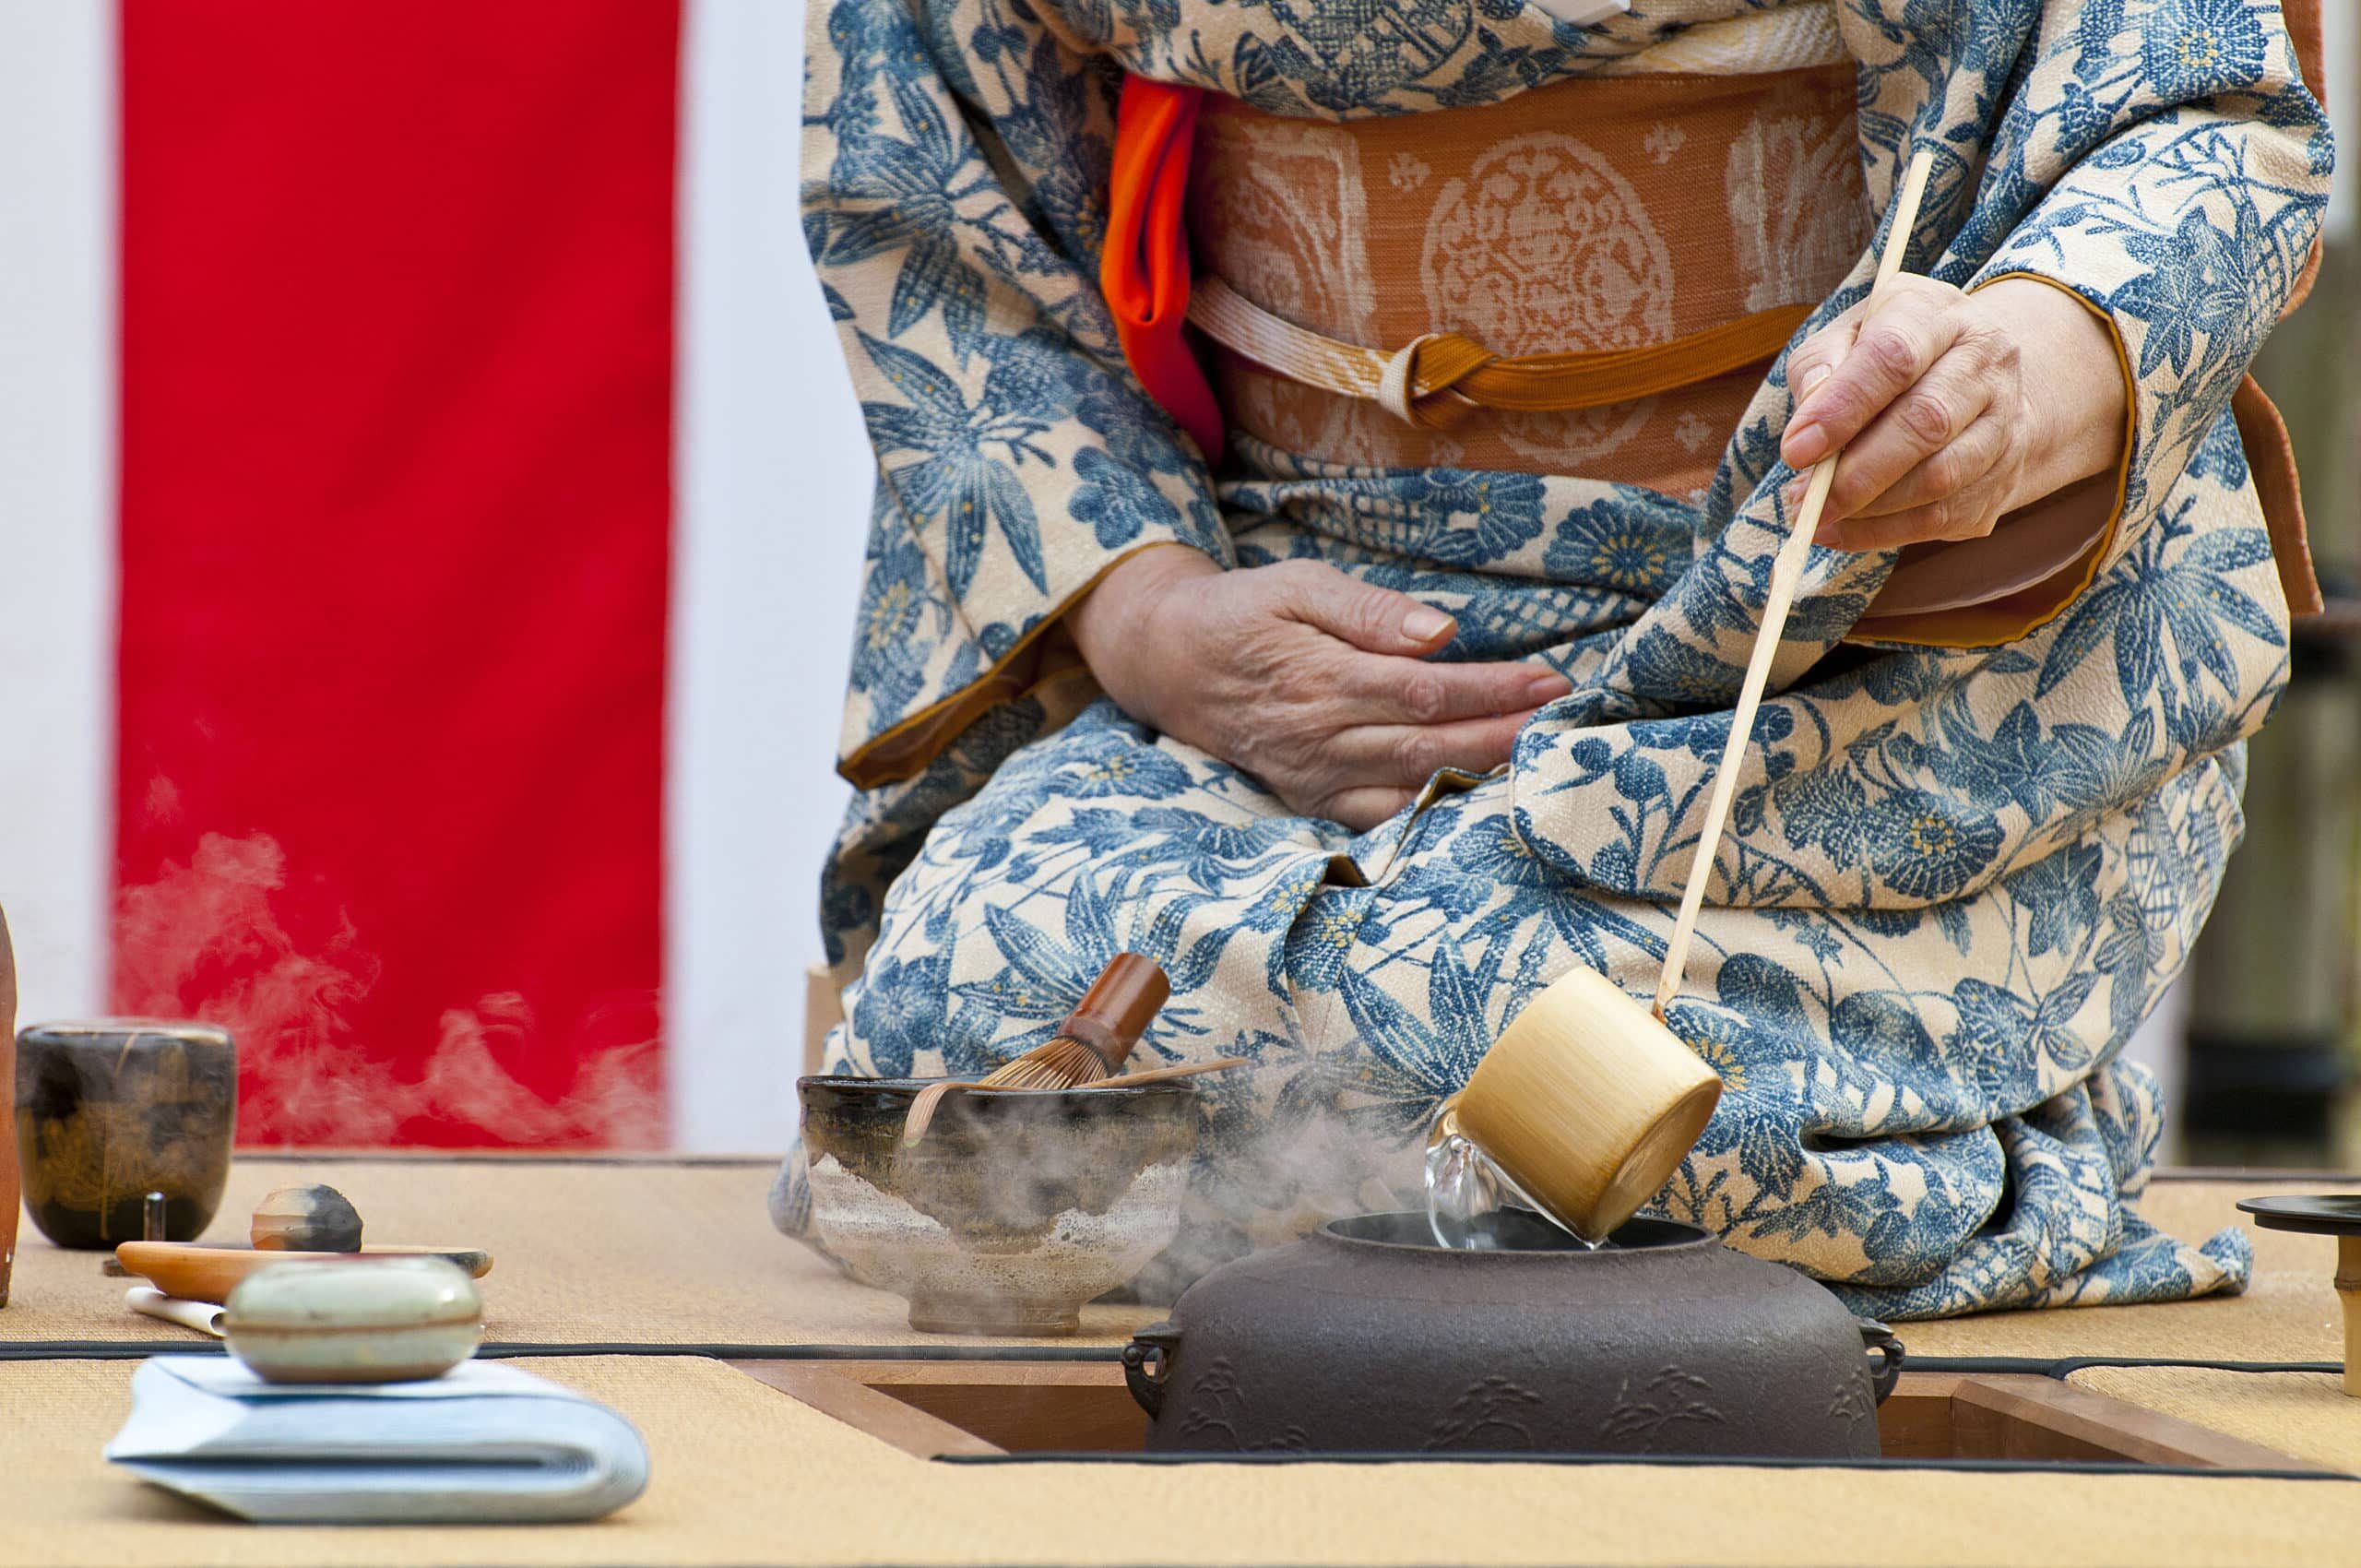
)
(1951, 409)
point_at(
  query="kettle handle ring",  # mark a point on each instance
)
(1876, 1336)
(1147, 1361)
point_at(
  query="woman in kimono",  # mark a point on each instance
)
(1368, 693)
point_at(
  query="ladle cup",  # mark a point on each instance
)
(1586, 1106)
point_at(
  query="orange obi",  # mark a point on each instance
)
(1655, 238)
(1584, 218)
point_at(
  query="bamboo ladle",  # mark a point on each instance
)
(1587, 1102)
(1787, 572)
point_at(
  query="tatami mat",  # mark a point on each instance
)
(584, 1252)
(2305, 1414)
(744, 1474)
(2289, 1313)
(598, 1253)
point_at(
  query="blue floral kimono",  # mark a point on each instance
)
(1957, 877)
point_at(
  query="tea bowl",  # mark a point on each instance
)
(1013, 1209)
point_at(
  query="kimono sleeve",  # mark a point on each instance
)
(956, 162)
(2182, 167)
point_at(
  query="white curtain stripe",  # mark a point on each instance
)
(57, 490)
(771, 509)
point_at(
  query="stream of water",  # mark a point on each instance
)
(1465, 1189)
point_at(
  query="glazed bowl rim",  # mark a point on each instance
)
(1697, 1238)
(849, 1083)
(131, 1025)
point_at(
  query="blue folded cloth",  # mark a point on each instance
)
(484, 1444)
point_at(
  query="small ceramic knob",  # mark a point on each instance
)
(306, 1219)
(354, 1320)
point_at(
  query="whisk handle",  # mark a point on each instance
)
(1116, 1010)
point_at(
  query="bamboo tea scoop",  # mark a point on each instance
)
(1588, 1102)
(1091, 1045)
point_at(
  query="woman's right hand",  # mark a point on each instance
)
(1315, 682)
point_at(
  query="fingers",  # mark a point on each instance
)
(1409, 690)
(1926, 404)
(1374, 619)
(1381, 767)
(1933, 501)
(1366, 773)
(1408, 754)
(1816, 357)
(1941, 474)
(1908, 325)
(1362, 809)
(1924, 428)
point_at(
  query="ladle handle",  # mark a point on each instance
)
(1786, 571)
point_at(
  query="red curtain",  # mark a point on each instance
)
(397, 370)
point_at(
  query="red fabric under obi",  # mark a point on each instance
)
(1143, 269)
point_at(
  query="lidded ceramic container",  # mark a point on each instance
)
(354, 1320)
(1367, 1337)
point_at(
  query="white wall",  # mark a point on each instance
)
(57, 586)
(773, 490)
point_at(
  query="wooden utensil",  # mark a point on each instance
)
(194, 1273)
(1092, 1042)
(2337, 1215)
(1588, 1102)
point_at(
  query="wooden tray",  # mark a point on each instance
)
(937, 1409)
(194, 1272)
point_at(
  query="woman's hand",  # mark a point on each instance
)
(1953, 409)
(1315, 683)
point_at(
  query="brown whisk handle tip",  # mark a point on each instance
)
(1119, 1007)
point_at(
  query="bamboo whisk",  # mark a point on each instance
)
(1097, 1035)
(1091, 1045)
(1786, 571)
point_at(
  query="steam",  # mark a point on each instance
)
(1273, 1167)
(205, 940)
(1268, 1169)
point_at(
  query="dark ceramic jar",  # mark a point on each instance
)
(111, 1110)
(1367, 1338)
